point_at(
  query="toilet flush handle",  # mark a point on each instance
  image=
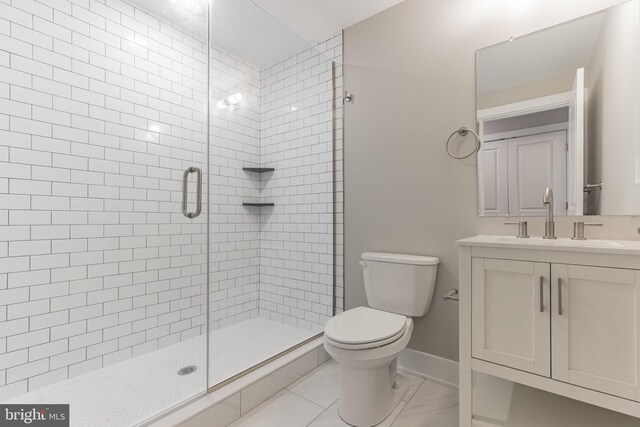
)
(363, 263)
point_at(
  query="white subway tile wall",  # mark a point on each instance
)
(234, 229)
(300, 138)
(102, 107)
(277, 262)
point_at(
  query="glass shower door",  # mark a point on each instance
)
(103, 263)
(272, 128)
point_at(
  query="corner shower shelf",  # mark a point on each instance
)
(259, 170)
(259, 205)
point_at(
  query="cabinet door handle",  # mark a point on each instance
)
(541, 294)
(559, 296)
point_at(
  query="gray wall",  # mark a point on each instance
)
(412, 71)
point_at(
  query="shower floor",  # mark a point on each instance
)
(130, 392)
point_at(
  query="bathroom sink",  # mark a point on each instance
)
(560, 242)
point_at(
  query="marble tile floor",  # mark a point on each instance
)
(313, 400)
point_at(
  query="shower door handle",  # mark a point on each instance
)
(185, 191)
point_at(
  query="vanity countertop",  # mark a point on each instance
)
(620, 247)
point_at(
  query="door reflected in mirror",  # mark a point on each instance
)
(560, 108)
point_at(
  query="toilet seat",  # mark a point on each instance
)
(364, 328)
(366, 346)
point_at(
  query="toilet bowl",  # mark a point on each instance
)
(369, 389)
(366, 341)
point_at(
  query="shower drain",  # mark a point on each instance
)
(187, 370)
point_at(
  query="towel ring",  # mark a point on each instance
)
(463, 131)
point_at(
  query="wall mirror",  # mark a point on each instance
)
(560, 108)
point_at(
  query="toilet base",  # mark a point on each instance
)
(370, 395)
(370, 387)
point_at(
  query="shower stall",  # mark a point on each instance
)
(170, 200)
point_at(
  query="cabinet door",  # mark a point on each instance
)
(510, 305)
(595, 328)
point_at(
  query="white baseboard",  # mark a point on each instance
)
(429, 366)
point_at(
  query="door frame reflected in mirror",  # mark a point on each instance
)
(537, 105)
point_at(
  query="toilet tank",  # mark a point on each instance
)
(398, 283)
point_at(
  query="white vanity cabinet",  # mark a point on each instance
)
(561, 316)
(595, 328)
(510, 314)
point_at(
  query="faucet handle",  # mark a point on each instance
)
(522, 228)
(578, 229)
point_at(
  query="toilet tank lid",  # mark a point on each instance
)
(400, 258)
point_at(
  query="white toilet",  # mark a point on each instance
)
(366, 341)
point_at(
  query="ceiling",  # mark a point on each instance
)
(263, 32)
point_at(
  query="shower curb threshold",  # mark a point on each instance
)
(208, 402)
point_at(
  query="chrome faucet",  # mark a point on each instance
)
(549, 224)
